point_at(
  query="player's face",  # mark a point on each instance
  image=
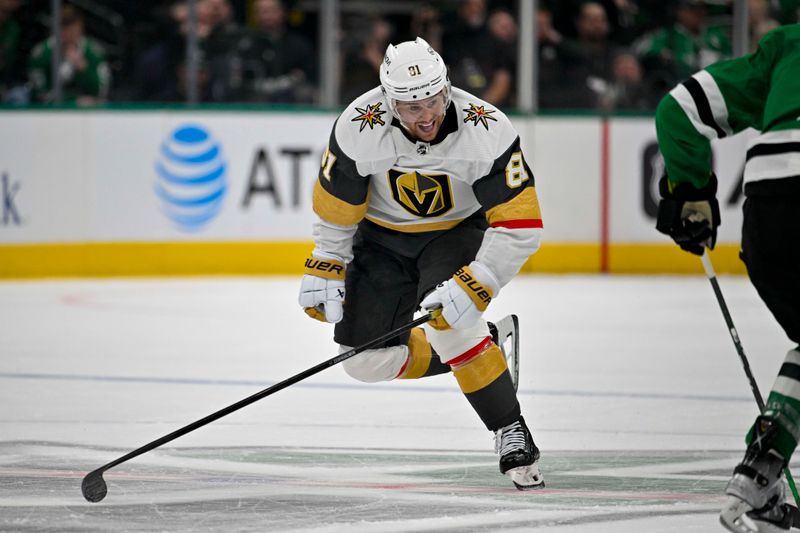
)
(423, 119)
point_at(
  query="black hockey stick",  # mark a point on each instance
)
(712, 277)
(94, 486)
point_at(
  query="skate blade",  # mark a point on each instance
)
(526, 477)
(508, 341)
(734, 518)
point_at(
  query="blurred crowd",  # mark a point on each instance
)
(601, 55)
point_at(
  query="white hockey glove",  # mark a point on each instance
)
(463, 298)
(322, 287)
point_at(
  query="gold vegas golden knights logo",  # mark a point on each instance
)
(422, 195)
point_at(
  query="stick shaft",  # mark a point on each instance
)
(712, 277)
(266, 392)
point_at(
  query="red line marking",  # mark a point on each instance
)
(605, 172)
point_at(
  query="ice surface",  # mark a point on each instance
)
(631, 385)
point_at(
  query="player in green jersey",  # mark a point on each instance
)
(761, 91)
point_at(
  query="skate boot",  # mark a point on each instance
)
(756, 500)
(519, 456)
(505, 334)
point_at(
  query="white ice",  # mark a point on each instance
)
(631, 385)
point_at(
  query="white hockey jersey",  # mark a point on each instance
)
(374, 173)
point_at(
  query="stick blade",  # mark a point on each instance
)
(94, 486)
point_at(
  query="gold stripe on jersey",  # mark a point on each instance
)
(334, 210)
(417, 228)
(481, 371)
(524, 206)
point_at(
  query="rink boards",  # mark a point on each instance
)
(130, 192)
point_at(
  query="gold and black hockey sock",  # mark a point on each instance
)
(422, 360)
(482, 374)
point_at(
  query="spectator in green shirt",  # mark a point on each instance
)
(676, 52)
(84, 73)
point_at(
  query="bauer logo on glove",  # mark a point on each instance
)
(322, 288)
(462, 298)
(325, 269)
(479, 294)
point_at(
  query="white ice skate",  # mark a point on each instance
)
(738, 516)
(519, 456)
(756, 500)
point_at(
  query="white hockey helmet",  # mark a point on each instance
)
(413, 71)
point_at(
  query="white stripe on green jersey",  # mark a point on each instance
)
(760, 90)
(773, 165)
(786, 385)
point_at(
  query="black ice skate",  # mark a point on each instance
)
(519, 456)
(505, 334)
(756, 500)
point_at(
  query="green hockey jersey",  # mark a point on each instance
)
(761, 91)
(94, 80)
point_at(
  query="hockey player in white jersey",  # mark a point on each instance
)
(424, 198)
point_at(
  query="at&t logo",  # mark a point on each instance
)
(191, 180)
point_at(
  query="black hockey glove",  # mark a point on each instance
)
(689, 215)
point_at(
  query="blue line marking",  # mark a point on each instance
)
(369, 386)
